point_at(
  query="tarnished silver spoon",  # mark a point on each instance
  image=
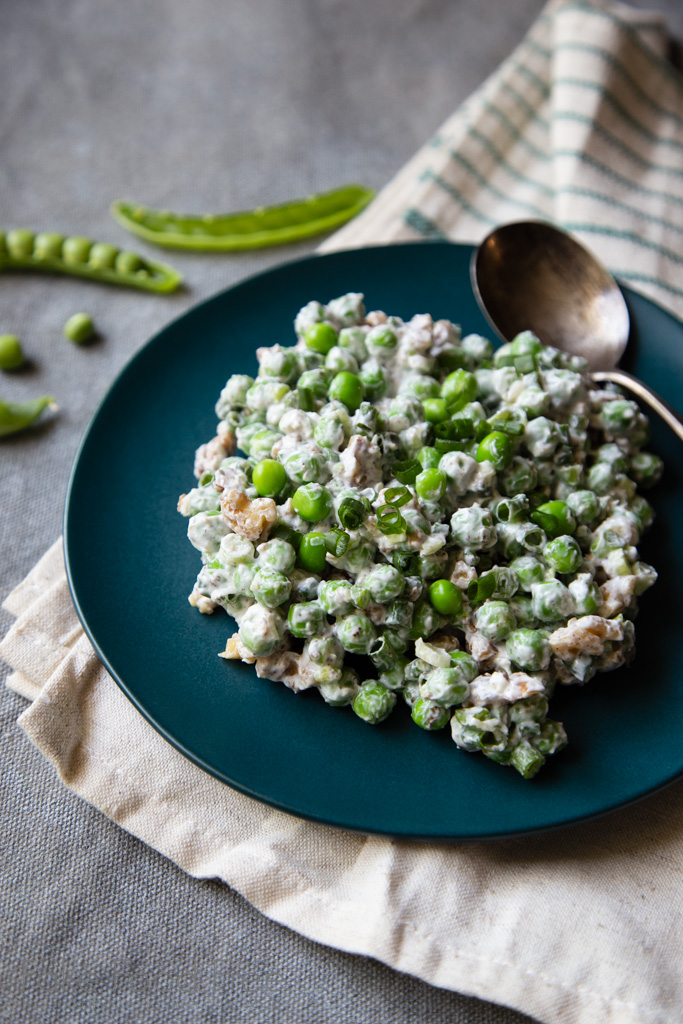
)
(530, 275)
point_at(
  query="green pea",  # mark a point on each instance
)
(384, 583)
(646, 468)
(76, 249)
(48, 246)
(312, 502)
(473, 528)
(445, 686)
(425, 621)
(128, 262)
(305, 467)
(375, 380)
(431, 484)
(277, 554)
(529, 570)
(347, 388)
(356, 633)
(430, 715)
(551, 601)
(103, 256)
(312, 553)
(445, 597)
(380, 340)
(585, 506)
(435, 410)
(585, 594)
(11, 353)
(555, 517)
(428, 457)
(529, 649)
(496, 447)
(373, 702)
(19, 243)
(270, 588)
(353, 339)
(518, 477)
(305, 619)
(261, 444)
(459, 388)
(494, 619)
(269, 477)
(339, 692)
(321, 338)
(79, 328)
(563, 554)
(262, 630)
(421, 386)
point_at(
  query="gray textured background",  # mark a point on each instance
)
(206, 105)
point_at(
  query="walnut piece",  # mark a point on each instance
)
(251, 519)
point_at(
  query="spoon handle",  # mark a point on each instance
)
(627, 380)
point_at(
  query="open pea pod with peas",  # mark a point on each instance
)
(247, 229)
(47, 251)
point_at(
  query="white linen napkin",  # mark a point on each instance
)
(583, 124)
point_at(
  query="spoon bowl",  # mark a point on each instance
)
(530, 275)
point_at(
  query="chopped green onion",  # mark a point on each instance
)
(390, 520)
(306, 399)
(351, 513)
(336, 542)
(397, 496)
(481, 588)
(406, 471)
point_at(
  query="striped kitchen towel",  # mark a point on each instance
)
(582, 126)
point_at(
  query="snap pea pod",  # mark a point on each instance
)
(21, 249)
(248, 229)
(16, 416)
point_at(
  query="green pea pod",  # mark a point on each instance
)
(252, 229)
(16, 416)
(49, 252)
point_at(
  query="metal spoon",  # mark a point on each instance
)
(532, 276)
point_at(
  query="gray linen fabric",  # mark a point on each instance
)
(203, 106)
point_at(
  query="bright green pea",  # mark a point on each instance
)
(459, 388)
(48, 246)
(431, 484)
(529, 649)
(312, 553)
(428, 457)
(269, 477)
(19, 243)
(555, 517)
(373, 702)
(347, 388)
(321, 338)
(76, 249)
(11, 353)
(445, 597)
(79, 328)
(102, 255)
(305, 619)
(430, 715)
(128, 262)
(563, 554)
(496, 447)
(312, 502)
(436, 410)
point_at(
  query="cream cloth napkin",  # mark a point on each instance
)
(582, 124)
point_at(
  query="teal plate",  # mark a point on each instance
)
(130, 568)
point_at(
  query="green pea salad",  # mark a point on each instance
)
(418, 517)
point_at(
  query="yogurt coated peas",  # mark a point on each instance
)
(422, 521)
